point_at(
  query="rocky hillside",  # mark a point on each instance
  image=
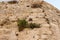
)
(33, 11)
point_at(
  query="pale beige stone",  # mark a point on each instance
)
(42, 13)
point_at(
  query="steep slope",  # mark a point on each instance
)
(41, 13)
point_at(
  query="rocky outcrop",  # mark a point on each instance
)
(39, 11)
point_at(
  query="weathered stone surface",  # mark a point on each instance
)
(39, 11)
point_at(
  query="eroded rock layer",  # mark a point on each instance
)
(41, 13)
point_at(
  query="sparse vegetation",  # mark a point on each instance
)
(24, 24)
(36, 6)
(34, 25)
(21, 24)
(12, 2)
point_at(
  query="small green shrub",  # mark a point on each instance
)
(21, 24)
(34, 25)
(24, 24)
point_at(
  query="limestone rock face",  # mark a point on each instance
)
(41, 13)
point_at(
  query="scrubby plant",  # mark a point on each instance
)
(24, 24)
(21, 24)
(34, 25)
